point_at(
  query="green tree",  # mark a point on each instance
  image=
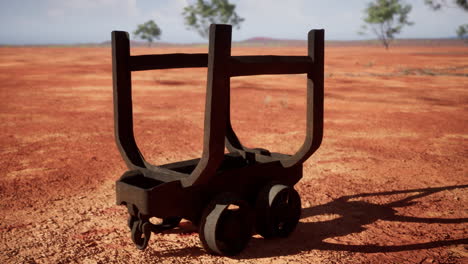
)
(148, 31)
(462, 30)
(386, 18)
(201, 14)
(438, 4)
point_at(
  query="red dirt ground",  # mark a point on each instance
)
(388, 185)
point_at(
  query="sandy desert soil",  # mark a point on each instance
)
(388, 185)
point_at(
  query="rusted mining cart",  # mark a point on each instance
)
(228, 196)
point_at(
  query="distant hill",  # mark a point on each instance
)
(135, 43)
(400, 42)
(265, 41)
(256, 41)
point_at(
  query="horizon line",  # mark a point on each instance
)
(253, 39)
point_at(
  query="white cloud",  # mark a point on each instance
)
(63, 8)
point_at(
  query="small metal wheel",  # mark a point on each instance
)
(278, 209)
(226, 225)
(141, 233)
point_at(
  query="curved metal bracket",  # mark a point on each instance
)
(122, 95)
(314, 114)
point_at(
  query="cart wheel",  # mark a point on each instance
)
(141, 233)
(278, 210)
(226, 225)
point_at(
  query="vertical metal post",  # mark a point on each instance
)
(232, 142)
(217, 98)
(315, 89)
(123, 113)
(315, 94)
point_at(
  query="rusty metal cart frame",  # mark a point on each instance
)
(226, 195)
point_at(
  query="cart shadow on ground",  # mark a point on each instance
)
(351, 217)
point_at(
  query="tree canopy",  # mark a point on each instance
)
(387, 18)
(201, 14)
(438, 4)
(148, 31)
(462, 30)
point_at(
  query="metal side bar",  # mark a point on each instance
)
(168, 61)
(257, 65)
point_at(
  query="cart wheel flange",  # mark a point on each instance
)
(141, 233)
(226, 225)
(278, 209)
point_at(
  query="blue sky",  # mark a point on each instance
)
(81, 21)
